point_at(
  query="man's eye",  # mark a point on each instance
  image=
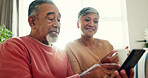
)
(95, 21)
(87, 20)
(50, 19)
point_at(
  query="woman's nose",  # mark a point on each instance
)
(91, 23)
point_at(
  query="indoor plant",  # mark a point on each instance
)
(4, 33)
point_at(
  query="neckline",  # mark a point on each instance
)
(40, 42)
(92, 46)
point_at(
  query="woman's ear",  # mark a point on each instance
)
(78, 25)
(31, 20)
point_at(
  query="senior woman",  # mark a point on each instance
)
(87, 50)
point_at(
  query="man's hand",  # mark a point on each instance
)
(100, 71)
(123, 74)
(105, 71)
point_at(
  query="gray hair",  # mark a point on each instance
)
(34, 7)
(86, 11)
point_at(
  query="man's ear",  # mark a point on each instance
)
(78, 25)
(31, 20)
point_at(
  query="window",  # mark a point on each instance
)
(24, 28)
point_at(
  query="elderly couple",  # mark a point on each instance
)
(34, 56)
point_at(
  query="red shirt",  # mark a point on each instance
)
(25, 57)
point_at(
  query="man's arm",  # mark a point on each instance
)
(14, 62)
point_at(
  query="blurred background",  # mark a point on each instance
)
(122, 22)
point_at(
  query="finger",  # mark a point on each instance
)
(123, 74)
(111, 53)
(126, 47)
(131, 73)
(114, 56)
(110, 66)
(113, 59)
(129, 52)
(116, 61)
(117, 74)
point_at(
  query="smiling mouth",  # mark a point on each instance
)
(89, 29)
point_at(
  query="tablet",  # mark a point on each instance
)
(132, 60)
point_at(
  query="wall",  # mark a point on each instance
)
(137, 18)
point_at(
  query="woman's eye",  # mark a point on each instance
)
(87, 20)
(95, 21)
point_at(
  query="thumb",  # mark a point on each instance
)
(112, 52)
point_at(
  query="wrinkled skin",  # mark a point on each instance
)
(46, 23)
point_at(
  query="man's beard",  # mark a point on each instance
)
(51, 38)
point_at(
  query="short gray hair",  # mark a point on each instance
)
(34, 7)
(86, 11)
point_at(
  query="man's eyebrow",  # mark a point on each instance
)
(49, 13)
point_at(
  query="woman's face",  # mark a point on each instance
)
(88, 24)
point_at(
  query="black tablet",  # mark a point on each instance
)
(132, 60)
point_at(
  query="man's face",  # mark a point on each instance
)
(48, 23)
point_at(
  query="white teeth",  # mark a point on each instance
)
(54, 32)
(90, 29)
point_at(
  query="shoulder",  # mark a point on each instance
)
(71, 43)
(12, 41)
(15, 41)
(13, 45)
(14, 49)
(103, 41)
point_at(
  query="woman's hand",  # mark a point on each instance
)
(110, 58)
(129, 50)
